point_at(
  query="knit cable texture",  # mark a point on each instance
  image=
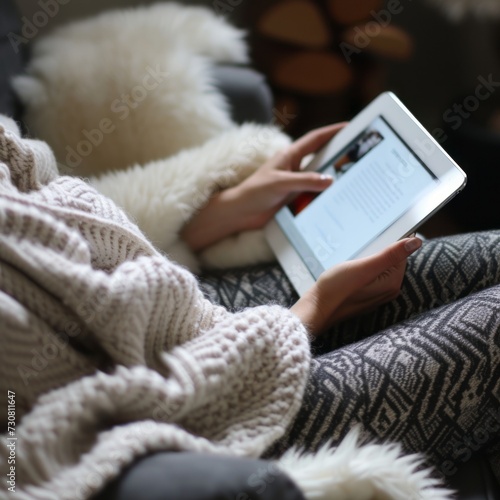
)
(111, 349)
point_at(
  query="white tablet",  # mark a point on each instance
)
(390, 175)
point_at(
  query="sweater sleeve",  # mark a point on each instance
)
(235, 379)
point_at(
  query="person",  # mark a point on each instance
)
(112, 350)
(406, 344)
(343, 291)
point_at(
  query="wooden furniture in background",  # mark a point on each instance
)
(325, 58)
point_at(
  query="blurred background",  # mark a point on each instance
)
(326, 59)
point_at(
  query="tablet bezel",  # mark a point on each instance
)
(452, 180)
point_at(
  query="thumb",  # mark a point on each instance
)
(365, 270)
(356, 274)
(293, 182)
(392, 256)
(339, 282)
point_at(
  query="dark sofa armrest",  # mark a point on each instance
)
(248, 93)
(12, 57)
(200, 476)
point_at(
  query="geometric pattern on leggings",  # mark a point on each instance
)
(248, 287)
(442, 271)
(423, 370)
(431, 383)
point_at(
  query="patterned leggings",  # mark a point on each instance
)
(423, 370)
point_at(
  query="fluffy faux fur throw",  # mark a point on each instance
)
(131, 358)
(129, 86)
(162, 195)
(131, 92)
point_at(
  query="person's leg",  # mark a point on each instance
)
(443, 270)
(248, 287)
(431, 383)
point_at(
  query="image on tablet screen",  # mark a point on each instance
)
(339, 165)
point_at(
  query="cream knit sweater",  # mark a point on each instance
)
(111, 349)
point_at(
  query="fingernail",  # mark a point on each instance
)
(413, 244)
(326, 177)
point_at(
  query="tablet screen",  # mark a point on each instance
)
(377, 179)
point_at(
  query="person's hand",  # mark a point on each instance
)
(273, 185)
(251, 204)
(355, 287)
